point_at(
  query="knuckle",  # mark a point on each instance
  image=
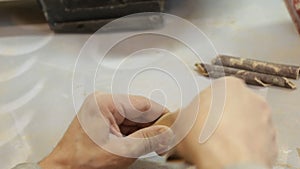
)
(146, 135)
(142, 103)
(147, 142)
(146, 106)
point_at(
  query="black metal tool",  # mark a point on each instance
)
(89, 15)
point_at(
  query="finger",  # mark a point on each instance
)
(129, 110)
(115, 132)
(142, 110)
(113, 123)
(114, 128)
(155, 138)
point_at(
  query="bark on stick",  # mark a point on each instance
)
(253, 78)
(288, 71)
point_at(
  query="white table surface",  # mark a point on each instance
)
(36, 70)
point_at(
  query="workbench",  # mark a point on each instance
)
(37, 68)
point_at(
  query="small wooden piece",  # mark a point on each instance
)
(288, 71)
(253, 78)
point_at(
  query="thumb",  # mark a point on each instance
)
(154, 138)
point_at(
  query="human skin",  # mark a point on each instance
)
(245, 134)
(110, 131)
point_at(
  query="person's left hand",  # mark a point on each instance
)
(110, 131)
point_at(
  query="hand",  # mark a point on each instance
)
(244, 135)
(94, 140)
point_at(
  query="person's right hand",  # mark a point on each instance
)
(244, 135)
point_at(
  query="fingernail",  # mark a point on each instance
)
(116, 132)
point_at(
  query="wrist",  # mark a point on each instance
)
(52, 164)
(55, 161)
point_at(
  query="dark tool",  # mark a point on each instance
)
(89, 15)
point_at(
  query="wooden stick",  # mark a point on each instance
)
(253, 78)
(288, 71)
